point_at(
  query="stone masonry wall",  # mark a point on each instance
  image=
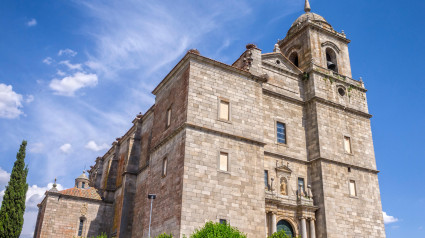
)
(62, 217)
(210, 194)
(348, 216)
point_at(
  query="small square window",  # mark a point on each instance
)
(168, 117)
(281, 132)
(224, 161)
(223, 221)
(224, 110)
(353, 191)
(347, 144)
(164, 167)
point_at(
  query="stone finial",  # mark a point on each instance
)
(194, 51)
(307, 7)
(54, 189)
(276, 48)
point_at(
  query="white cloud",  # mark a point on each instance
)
(67, 52)
(71, 66)
(68, 85)
(91, 145)
(36, 147)
(32, 22)
(66, 148)
(389, 219)
(48, 60)
(10, 102)
(4, 178)
(60, 73)
(29, 98)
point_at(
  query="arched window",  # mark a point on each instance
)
(286, 226)
(331, 62)
(81, 227)
(294, 58)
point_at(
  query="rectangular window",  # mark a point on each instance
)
(83, 185)
(164, 167)
(281, 132)
(168, 117)
(80, 227)
(266, 179)
(224, 161)
(353, 191)
(224, 110)
(301, 186)
(347, 144)
(223, 221)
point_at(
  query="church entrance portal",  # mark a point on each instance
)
(284, 225)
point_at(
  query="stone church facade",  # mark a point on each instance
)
(278, 140)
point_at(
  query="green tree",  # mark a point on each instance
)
(213, 230)
(13, 205)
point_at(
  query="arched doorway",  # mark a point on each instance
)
(286, 226)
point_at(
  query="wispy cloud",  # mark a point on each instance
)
(67, 52)
(48, 60)
(71, 66)
(70, 84)
(32, 22)
(10, 102)
(389, 219)
(37, 147)
(92, 145)
(65, 148)
(152, 34)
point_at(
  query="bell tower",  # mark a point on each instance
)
(340, 155)
(312, 40)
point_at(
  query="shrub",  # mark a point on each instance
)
(280, 234)
(213, 230)
(165, 236)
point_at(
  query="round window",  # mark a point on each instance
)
(341, 92)
(277, 61)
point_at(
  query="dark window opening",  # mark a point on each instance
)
(223, 221)
(341, 92)
(294, 58)
(331, 60)
(83, 184)
(349, 169)
(266, 179)
(80, 227)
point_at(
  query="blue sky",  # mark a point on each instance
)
(73, 75)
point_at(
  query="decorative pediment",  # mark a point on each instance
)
(277, 61)
(283, 167)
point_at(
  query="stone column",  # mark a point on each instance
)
(303, 228)
(312, 228)
(274, 223)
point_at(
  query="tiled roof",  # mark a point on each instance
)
(90, 193)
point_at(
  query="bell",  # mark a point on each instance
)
(331, 65)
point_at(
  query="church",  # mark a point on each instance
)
(276, 140)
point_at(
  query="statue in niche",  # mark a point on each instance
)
(283, 186)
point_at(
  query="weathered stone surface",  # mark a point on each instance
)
(318, 107)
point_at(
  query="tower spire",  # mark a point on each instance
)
(307, 7)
